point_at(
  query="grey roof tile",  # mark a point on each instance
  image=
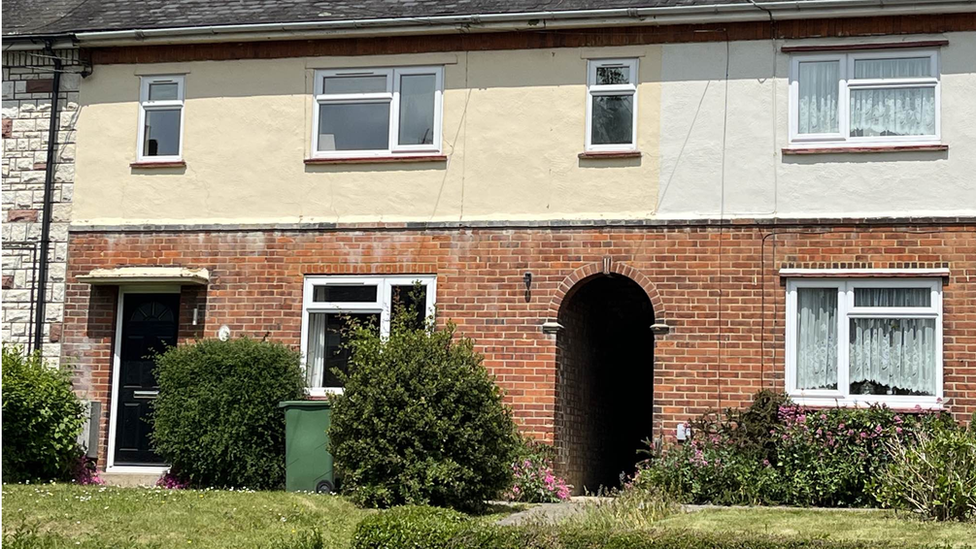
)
(40, 17)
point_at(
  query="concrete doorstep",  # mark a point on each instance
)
(130, 480)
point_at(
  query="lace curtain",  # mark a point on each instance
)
(819, 95)
(315, 354)
(874, 112)
(893, 355)
(816, 352)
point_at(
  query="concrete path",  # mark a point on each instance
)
(551, 513)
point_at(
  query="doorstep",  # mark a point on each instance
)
(130, 479)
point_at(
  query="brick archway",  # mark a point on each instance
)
(604, 314)
(572, 282)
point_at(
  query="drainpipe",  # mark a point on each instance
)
(52, 147)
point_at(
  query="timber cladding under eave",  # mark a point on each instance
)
(542, 38)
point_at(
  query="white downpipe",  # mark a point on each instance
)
(782, 10)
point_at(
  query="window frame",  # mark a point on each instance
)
(593, 89)
(846, 311)
(146, 105)
(391, 96)
(382, 305)
(847, 82)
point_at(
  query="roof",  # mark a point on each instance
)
(51, 17)
(41, 18)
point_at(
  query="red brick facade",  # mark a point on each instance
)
(717, 287)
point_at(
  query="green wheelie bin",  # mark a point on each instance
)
(308, 463)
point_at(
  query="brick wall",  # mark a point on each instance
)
(27, 87)
(717, 288)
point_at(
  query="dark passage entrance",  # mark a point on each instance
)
(604, 388)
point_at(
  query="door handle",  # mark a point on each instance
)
(145, 394)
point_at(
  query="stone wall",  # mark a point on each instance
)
(28, 79)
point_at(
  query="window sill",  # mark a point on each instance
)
(593, 155)
(376, 159)
(920, 404)
(820, 149)
(152, 164)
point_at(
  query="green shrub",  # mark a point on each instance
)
(935, 476)
(421, 422)
(42, 418)
(217, 419)
(409, 527)
(796, 456)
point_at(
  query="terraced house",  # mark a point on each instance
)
(640, 210)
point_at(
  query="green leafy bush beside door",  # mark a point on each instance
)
(42, 418)
(217, 420)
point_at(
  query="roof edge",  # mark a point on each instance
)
(499, 22)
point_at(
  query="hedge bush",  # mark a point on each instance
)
(824, 458)
(933, 475)
(217, 419)
(432, 528)
(420, 421)
(42, 418)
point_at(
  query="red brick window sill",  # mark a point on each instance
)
(152, 165)
(610, 154)
(377, 159)
(934, 147)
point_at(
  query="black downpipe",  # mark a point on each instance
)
(52, 147)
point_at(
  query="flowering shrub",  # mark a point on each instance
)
(804, 457)
(86, 472)
(535, 482)
(171, 482)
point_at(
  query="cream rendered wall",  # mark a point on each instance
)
(702, 114)
(513, 126)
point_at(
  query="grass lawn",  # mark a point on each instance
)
(104, 516)
(837, 525)
(178, 518)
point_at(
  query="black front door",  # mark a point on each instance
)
(149, 323)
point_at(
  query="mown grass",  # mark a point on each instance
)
(857, 525)
(108, 516)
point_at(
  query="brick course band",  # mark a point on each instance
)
(524, 224)
(717, 287)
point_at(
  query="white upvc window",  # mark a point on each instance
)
(377, 112)
(161, 101)
(611, 105)
(858, 99)
(862, 341)
(331, 302)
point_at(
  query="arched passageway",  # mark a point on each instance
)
(604, 380)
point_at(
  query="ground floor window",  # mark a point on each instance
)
(331, 303)
(864, 341)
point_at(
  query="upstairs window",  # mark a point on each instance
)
(611, 107)
(865, 98)
(161, 119)
(377, 112)
(332, 302)
(862, 341)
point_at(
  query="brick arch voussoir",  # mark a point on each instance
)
(586, 271)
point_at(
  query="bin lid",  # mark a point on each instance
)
(305, 404)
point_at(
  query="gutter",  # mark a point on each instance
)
(750, 11)
(52, 147)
